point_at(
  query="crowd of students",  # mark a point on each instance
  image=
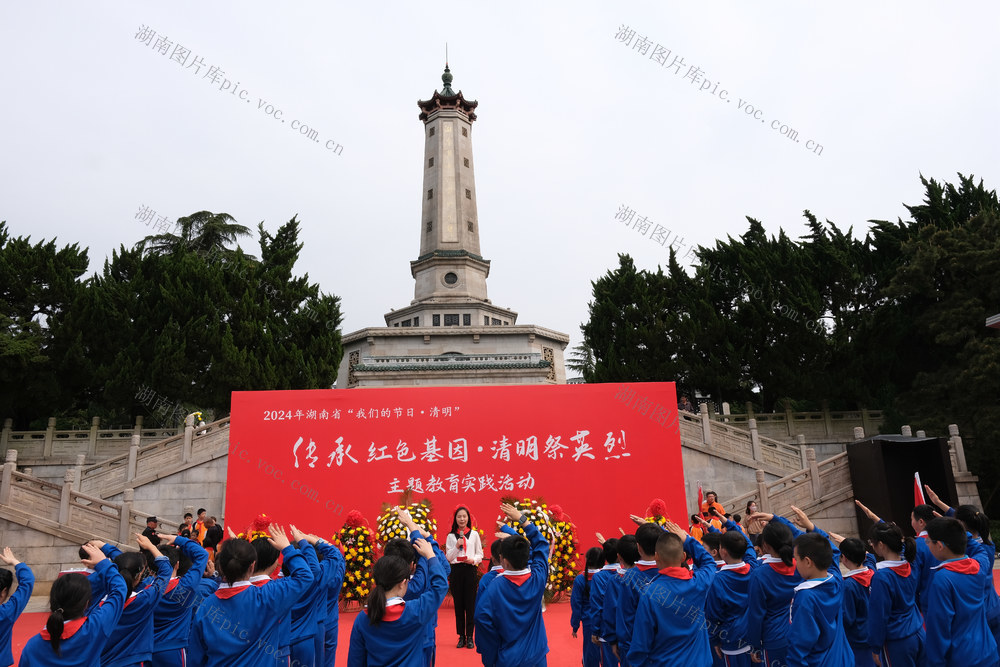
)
(656, 597)
(663, 597)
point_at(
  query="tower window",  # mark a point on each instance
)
(465, 131)
(416, 321)
(495, 322)
(451, 320)
(436, 320)
(430, 193)
(466, 320)
(450, 278)
(469, 224)
(468, 193)
(466, 160)
(406, 323)
(430, 133)
(430, 225)
(430, 162)
(486, 321)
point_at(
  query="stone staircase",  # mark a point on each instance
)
(144, 465)
(745, 447)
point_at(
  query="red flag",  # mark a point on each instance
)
(918, 490)
(701, 498)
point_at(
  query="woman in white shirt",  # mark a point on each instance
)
(464, 550)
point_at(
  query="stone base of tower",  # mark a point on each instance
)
(452, 356)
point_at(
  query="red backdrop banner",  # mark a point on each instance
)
(600, 451)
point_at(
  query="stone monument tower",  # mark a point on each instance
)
(450, 333)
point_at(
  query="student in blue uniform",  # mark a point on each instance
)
(310, 609)
(669, 629)
(860, 566)
(131, 642)
(957, 633)
(11, 606)
(238, 625)
(579, 603)
(334, 582)
(628, 554)
(633, 583)
(598, 589)
(495, 566)
(71, 638)
(172, 615)
(925, 562)
(509, 625)
(816, 613)
(895, 627)
(266, 563)
(419, 573)
(728, 600)
(771, 589)
(391, 631)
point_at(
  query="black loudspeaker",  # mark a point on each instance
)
(882, 471)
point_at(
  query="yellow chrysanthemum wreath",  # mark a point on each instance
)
(388, 523)
(358, 543)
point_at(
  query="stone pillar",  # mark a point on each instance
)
(749, 406)
(8, 476)
(827, 419)
(67, 491)
(188, 439)
(8, 426)
(921, 434)
(866, 423)
(817, 483)
(959, 448)
(137, 428)
(725, 411)
(125, 523)
(859, 433)
(706, 425)
(800, 440)
(133, 459)
(952, 456)
(765, 502)
(50, 436)
(755, 441)
(95, 425)
(80, 458)
(28, 471)
(906, 431)
(789, 420)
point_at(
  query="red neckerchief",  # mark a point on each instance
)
(963, 566)
(781, 568)
(226, 593)
(69, 629)
(517, 578)
(863, 578)
(742, 569)
(172, 585)
(677, 572)
(643, 568)
(901, 570)
(394, 612)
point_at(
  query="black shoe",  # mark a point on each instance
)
(470, 643)
(461, 642)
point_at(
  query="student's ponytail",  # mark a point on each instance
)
(778, 537)
(68, 599)
(130, 565)
(975, 522)
(388, 572)
(910, 549)
(891, 536)
(235, 560)
(594, 560)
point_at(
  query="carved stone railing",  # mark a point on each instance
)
(142, 465)
(820, 426)
(64, 445)
(737, 444)
(61, 510)
(817, 484)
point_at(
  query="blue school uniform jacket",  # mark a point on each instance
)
(924, 565)
(510, 631)
(334, 581)
(173, 614)
(238, 624)
(892, 610)
(633, 584)
(609, 610)
(669, 622)
(957, 633)
(420, 581)
(579, 603)
(83, 639)
(771, 588)
(131, 642)
(487, 578)
(816, 627)
(857, 590)
(310, 608)
(598, 589)
(398, 639)
(12, 608)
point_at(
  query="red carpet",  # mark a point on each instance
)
(564, 651)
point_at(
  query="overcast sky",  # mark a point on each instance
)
(573, 124)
